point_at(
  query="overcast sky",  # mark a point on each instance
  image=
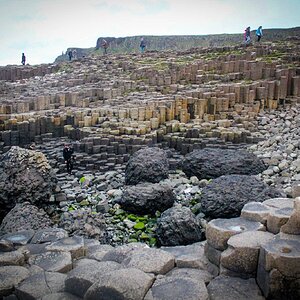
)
(42, 29)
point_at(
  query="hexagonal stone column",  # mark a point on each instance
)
(293, 224)
(278, 273)
(219, 231)
(256, 211)
(241, 256)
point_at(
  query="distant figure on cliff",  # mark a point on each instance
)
(105, 46)
(68, 157)
(142, 45)
(259, 33)
(23, 59)
(247, 37)
(74, 53)
(70, 54)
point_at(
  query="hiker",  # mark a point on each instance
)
(105, 46)
(247, 37)
(259, 33)
(142, 45)
(23, 59)
(70, 54)
(68, 157)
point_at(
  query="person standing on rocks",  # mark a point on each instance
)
(68, 157)
(23, 59)
(70, 54)
(142, 45)
(105, 46)
(247, 37)
(259, 33)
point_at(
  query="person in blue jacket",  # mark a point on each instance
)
(142, 45)
(259, 33)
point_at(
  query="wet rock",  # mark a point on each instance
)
(19, 238)
(225, 196)
(147, 165)
(210, 163)
(49, 235)
(178, 226)
(147, 198)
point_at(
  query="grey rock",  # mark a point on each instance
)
(123, 284)
(82, 277)
(178, 226)
(11, 276)
(211, 163)
(195, 274)
(151, 260)
(49, 235)
(225, 196)
(15, 258)
(223, 287)
(19, 238)
(147, 165)
(60, 296)
(147, 198)
(25, 217)
(170, 288)
(41, 284)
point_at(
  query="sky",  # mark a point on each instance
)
(42, 29)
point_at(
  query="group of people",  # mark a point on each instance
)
(105, 45)
(72, 54)
(247, 34)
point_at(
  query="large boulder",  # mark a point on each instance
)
(178, 226)
(225, 196)
(25, 175)
(211, 163)
(25, 216)
(147, 165)
(147, 198)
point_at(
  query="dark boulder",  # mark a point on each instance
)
(25, 175)
(225, 196)
(147, 165)
(211, 163)
(147, 198)
(178, 226)
(25, 216)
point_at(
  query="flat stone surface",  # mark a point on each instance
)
(190, 256)
(256, 211)
(11, 276)
(128, 283)
(53, 261)
(19, 238)
(195, 274)
(41, 284)
(170, 288)
(60, 296)
(223, 287)
(11, 258)
(6, 246)
(97, 252)
(82, 277)
(49, 235)
(151, 260)
(279, 203)
(218, 231)
(74, 245)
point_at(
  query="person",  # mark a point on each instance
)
(259, 33)
(247, 36)
(23, 59)
(68, 157)
(104, 45)
(142, 45)
(70, 54)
